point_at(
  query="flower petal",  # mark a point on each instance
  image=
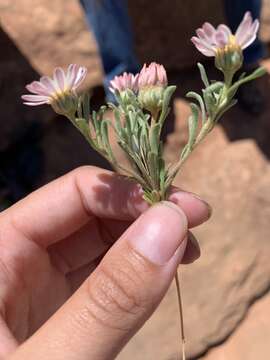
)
(35, 98)
(205, 48)
(71, 75)
(244, 26)
(245, 39)
(35, 103)
(80, 76)
(221, 39)
(48, 83)
(224, 29)
(209, 30)
(59, 78)
(37, 88)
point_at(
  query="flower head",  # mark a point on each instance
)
(210, 40)
(125, 82)
(153, 75)
(56, 91)
(152, 84)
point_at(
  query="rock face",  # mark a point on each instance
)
(251, 340)
(265, 28)
(234, 268)
(50, 34)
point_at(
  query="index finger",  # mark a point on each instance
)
(62, 207)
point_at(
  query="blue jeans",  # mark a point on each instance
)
(235, 10)
(109, 21)
(110, 24)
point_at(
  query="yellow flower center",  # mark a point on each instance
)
(231, 46)
(58, 95)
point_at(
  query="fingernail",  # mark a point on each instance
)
(159, 233)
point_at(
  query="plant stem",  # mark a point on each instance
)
(181, 314)
(180, 308)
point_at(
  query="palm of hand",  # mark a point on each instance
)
(35, 281)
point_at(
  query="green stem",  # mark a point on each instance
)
(154, 117)
(228, 77)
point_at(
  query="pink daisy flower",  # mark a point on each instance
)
(48, 90)
(209, 40)
(124, 82)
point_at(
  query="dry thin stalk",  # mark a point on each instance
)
(181, 314)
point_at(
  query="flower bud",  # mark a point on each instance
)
(125, 86)
(152, 82)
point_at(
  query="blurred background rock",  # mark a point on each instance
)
(231, 169)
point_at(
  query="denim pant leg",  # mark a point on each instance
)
(109, 21)
(235, 10)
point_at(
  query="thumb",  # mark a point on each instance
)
(120, 295)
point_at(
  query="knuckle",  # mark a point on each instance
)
(115, 298)
(81, 170)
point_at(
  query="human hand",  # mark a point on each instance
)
(67, 285)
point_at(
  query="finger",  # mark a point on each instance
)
(62, 207)
(193, 251)
(8, 343)
(87, 244)
(196, 209)
(114, 302)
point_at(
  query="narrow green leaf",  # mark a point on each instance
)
(203, 75)
(135, 144)
(166, 102)
(96, 123)
(83, 126)
(215, 86)
(86, 106)
(153, 165)
(154, 138)
(198, 97)
(209, 101)
(117, 118)
(193, 124)
(162, 173)
(128, 126)
(184, 151)
(79, 110)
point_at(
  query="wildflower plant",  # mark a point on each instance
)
(142, 105)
